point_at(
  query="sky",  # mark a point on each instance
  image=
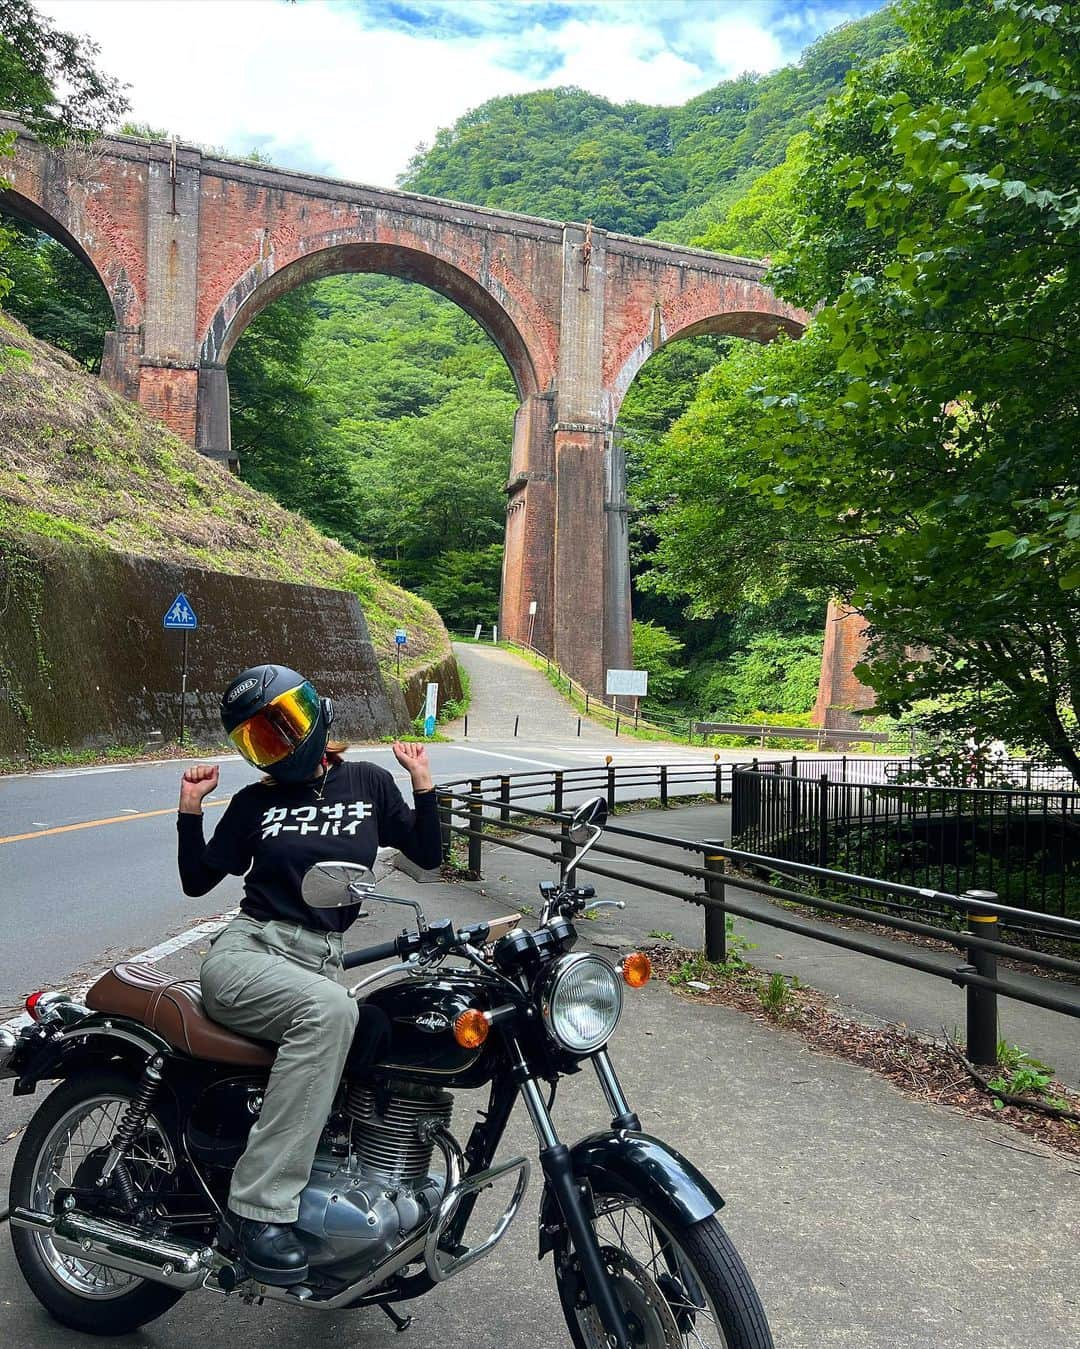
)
(350, 88)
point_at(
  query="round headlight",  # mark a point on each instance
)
(582, 1002)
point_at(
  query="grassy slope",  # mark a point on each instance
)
(78, 461)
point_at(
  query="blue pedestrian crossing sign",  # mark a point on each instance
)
(180, 614)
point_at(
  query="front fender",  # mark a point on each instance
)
(640, 1167)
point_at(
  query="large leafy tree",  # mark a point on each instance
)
(925, 429)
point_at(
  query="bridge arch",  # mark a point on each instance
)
(268, 279)
(753, 312)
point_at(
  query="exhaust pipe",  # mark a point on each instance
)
(178, 1264)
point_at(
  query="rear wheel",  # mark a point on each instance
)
(65, 1145)
(688, 1290)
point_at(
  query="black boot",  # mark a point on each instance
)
(271, 1252)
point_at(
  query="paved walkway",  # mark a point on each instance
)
(869, 1221)
(504, 688)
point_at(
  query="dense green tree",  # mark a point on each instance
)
(55, 294)
(923, 433)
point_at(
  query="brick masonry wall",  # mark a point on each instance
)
(840, 694)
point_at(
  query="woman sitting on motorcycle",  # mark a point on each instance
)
(272, 973)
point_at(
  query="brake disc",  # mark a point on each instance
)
(644, 1305)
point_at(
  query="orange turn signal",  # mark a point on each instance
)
(471, 1029)
(637, 969)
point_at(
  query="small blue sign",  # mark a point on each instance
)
(180, 614)
(401, 637)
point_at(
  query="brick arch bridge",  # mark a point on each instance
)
(191, 247)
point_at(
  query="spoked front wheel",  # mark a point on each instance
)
(685, 1291)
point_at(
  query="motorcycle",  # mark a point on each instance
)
(119, 1188)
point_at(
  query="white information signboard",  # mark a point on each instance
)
(431, 707)
(627, 683)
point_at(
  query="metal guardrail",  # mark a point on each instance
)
(821, 735)
(1024, 845)
(700, 872)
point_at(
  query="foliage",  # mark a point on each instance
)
(918, 444)
(55, 293)
(49, 79)
(655, 650)
(572, 155)
(774, 673)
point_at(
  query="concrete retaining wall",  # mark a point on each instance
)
(84, 660)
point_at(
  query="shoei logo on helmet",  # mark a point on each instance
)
(241, 688)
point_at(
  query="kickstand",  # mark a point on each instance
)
(401, 1323)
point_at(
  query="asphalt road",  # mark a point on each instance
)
(88, 855)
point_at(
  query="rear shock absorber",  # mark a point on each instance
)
(128, 1130)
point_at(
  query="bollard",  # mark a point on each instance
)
(586, 702)
(476, 825)
(715, 913)
(616, 723)
(557, 806)
(663, 784)
(611, 788)
(444, 802)
(579, 725)
(504, 798)
(466, 725)
(516, 720)
(982, 1016)
(718, 787)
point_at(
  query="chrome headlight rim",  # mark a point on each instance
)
(554, 1022)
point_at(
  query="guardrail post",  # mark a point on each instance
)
(715, 913)
(663, 784)
(982, 1016)
(476, 825)
(504, 798)
(611, 788)
(616, 723)
(557, 804)
(444, 802)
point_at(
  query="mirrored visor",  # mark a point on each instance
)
(277, 729)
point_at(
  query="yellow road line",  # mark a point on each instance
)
(113, 819)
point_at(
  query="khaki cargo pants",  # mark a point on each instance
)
(278, 981)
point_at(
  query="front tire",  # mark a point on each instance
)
(685, 1290)
(66, 1134)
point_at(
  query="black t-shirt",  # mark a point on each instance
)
(272, 835)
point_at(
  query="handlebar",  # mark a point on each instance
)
(370, 954)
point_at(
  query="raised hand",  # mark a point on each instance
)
(414, 759)
(198, 781)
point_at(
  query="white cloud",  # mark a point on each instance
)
(325, 87)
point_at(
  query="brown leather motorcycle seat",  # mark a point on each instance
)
(173, 1008)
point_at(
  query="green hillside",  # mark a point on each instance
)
(84, 464)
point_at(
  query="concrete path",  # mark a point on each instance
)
(505, 687)
(869, 1221)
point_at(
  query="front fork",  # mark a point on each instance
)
(570, 1194)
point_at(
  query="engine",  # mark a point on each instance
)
(372, 1187)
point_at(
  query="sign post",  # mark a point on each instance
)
(180, 616)
(431, 709)
(401, 638)
(626, 683)
(532, 619)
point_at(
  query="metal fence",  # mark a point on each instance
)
(478, 811)
(1022, 844)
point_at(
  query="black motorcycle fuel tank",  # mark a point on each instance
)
(422, 1013)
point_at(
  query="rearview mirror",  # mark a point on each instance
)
(592, 815)
(335, 885)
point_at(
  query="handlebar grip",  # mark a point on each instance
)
(370, 954)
